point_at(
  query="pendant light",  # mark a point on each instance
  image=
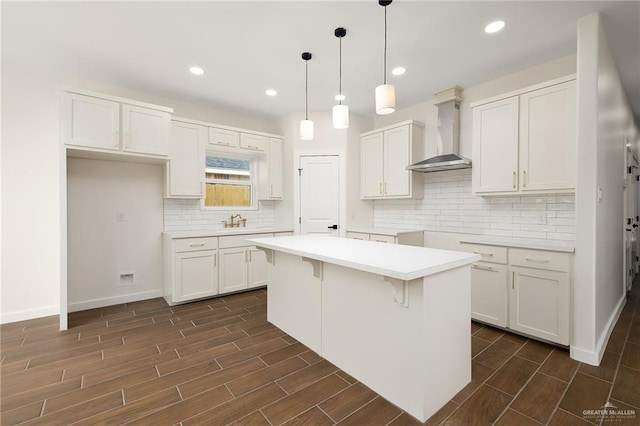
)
(340, 112)
(385, 93)
(306, 125)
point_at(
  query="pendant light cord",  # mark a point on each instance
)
(306, 90)
(385, 45)
(340, 81)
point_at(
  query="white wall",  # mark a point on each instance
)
(31, 178)
(100, 246)
(605, 123)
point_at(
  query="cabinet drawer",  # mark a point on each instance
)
(540, 259)
(253, 142)
(492, 254)
(358, 236)
(383, 238)
(195, 244)
(223, 137)
(240, 240)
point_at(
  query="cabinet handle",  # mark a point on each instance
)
(534, 259)
(490, 254)
(524, 178)
(380, 188)
(513, 280)
(252, 147)
(484, 268)
(215, 260)
(271, 191)
(196, 244)
(379, 241)
(250, 255)
(246, 256)
(514, 180)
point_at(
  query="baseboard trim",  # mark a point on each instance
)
(28, 315)
(115, 300)
(593, 357)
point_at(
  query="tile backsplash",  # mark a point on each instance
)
(449, 206)
(185, 215)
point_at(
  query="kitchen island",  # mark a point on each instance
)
(395, 317)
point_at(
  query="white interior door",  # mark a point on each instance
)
(631, 220)
(319, 194)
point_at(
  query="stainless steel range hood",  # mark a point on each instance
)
(448, 103)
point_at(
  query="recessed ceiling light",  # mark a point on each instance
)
(196, 70)
(271, 92)
(494, 27)
(398, 70)
(339, 97)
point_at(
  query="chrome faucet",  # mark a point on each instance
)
(235, 224)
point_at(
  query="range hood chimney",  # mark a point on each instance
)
(448, 103)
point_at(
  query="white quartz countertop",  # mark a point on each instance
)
(223, 232)
(382, 231)
(391, 260)
(561, 246)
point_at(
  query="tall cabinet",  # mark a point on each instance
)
(384, 155)
(525, 141)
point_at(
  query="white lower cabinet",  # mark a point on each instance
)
(233, 269)
(409, 238)
(196, 275)
(241, 266)
(525, 290)
(190, 268)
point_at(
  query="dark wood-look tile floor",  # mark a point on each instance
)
(219, 362)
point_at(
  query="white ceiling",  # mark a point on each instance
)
(248, 47)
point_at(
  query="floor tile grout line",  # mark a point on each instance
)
(575, 373)
(537, 370)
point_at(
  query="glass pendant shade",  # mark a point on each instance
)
(306, 130)
(340, 117)
(385, 99)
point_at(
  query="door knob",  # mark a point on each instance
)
(332, 227)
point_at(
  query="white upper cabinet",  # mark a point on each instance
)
(224, 137)
(95, 122)
(526, 142)
(384, 156)
(253, 142)
(144, 130)
(495, 146)
(185, 170)
(548, 138)
(91, 122)
(271, 176)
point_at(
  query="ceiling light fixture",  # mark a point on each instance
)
(196, 70)
(306, 125)
(340, 112)
(271, 92)
(385, 93)
(494, 27)
(398, 70)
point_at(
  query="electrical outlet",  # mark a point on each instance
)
(120, 217)
(126, 279)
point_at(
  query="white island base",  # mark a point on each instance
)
(407, 339)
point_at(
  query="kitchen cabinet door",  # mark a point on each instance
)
(233, 269)
(145, 130)
(196, 275)
(91, 122)
(185, 168)
(489, 293)
(372, 166)
(224, 137)
(253, 142)
(256, 268)
(397, 156)
(539, 303)
(548, 138)
(495, 146)
(270, 171)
